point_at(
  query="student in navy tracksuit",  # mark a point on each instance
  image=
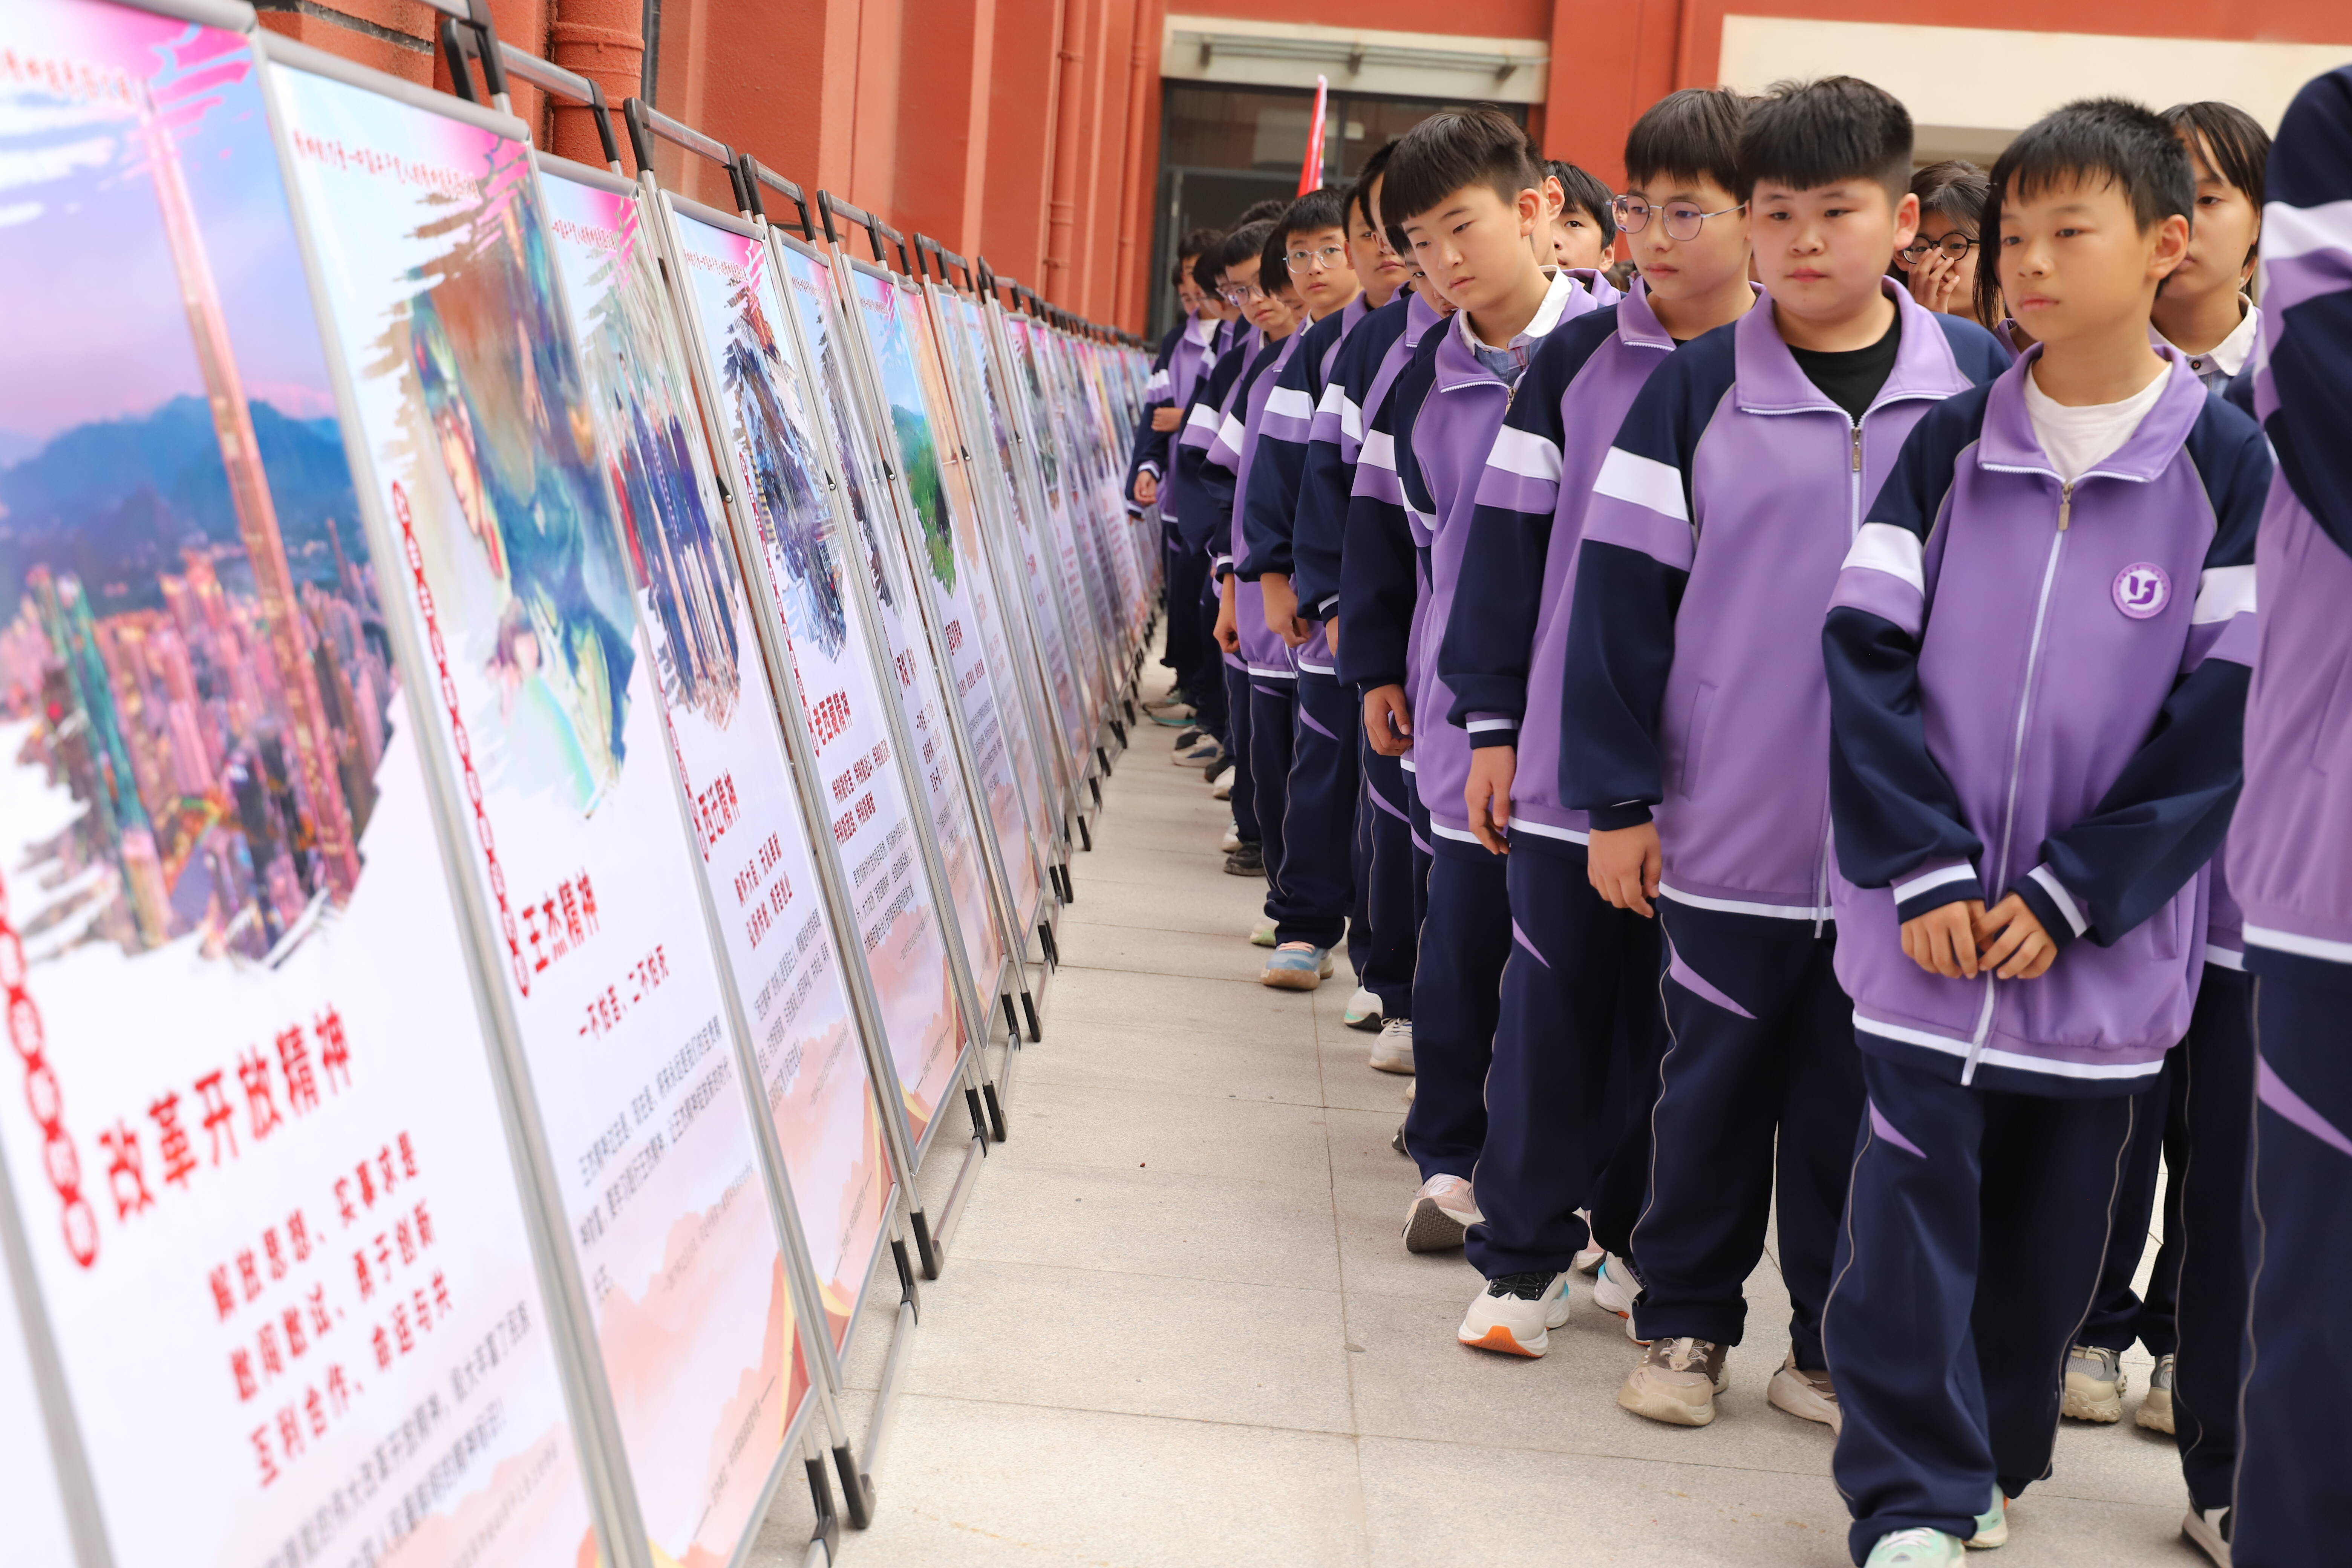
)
(1470, 201)
(1184, 354)
(2201, 1105)
(1299, 553)
(1268, 665)
(2037, 655)
(1234, 267)
(1696, 720)
(2290, 859)
(1576, 1053)
(1311, 890)
(1272, 319)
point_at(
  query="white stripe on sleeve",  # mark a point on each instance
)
(1883, 547)
(1644, 482)
(2060, 897)
(1525, 454)
(2223, 592)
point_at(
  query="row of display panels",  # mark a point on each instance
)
(416, 1159)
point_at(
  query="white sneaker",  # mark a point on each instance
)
(1916, 1548)
(1676, 1381)
(1232, 838)
(1262, 933)
(2156, 1405)
(1223, 789)
(1812, 1396)
(1393, 1052)
(2094, 1385)
(1362, 1011)
(1440, 1212)
(2208, 1531)
(1613, 1289)
(1992, 1524)
(1516, 1314)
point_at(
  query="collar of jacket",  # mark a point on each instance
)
(1637, 318)
(1420, 315)
(1200, 330)
(1769, 382)
(2007, 443)
(1456, 365)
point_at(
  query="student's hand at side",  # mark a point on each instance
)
(1489, 794)
(1167, 418)
(1388, 720)
(1944, 941)
(1282, 610)
(1229, 631)
(1624, 864)
(1331, 635)
(2015, 945)
(1146, 488)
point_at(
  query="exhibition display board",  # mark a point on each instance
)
(906, 381)
(791, 989)
(479, 979)
(764, 405)
(260, 1160)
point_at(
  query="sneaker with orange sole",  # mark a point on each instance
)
(1516, 1314)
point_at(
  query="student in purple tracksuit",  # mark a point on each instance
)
(2037, 656)
(1696, 720)
(2202, 1105)
(1470, 202)
(1250, 668)
(1576, 1052)
(2289, 858)
(1185, 355)
(1310, 889)
(1298, 485)
(1234, 265)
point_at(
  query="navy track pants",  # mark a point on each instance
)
(1457, 993)
(1318, 890)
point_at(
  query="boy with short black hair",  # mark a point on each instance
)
(2093, 511)
(1468, 195)
(1584, 230)
(1234, 267)
(1383, 858)
(1186, 352)
(1577, 1046)
(1694, 720)
(1315, 892)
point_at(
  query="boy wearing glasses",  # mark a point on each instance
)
(1473, 208)
(1695, 721)
(1310, 900)
(1575, 1050)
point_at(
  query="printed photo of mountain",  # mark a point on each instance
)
(910, 420)
(195, 685)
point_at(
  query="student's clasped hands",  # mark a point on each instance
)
(1960, 940)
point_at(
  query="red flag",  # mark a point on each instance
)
(1310, 172)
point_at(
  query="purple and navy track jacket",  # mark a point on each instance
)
(2039, 688)
(1442, 415)
(2290, 856)
(1333, 440)
(1147, 450)
(1379, 578)
(1232, 457)
(1188, 360)
(1508, 635)
(1197, 515)
(1277, 466)
(1692, 686)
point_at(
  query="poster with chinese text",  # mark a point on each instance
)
(773, 437)
(481, 434)
(922, 695)
(749, 831)
(255, 1139)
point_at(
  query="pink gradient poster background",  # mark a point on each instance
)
(254, 1135)
(773, 437)
(433, 248)
(754, 850)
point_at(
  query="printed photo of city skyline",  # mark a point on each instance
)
(191, 640)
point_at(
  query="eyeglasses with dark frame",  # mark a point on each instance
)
(1242, 294)
(1682, 220)
(1954, 246)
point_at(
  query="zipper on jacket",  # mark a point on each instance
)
(2017, 755)
(1828, 842)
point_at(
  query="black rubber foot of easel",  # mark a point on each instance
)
(979, 1116)
(1086, 835)
(1012, 1019)
(828, 1518)
(925, 1249)
(1029, 1011)
(995, 1112)
(856, 1485)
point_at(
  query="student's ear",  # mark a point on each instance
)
(1906, 220)
(2171, 247)
(1535, 207)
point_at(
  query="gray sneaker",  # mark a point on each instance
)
(1808, 1395)
(2156, 1405)
(1676, 1381)
(2094, 1385)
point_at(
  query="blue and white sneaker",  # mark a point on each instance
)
(1176, 717)
(1992, 1524)
(1614, 1286)
(1200, 754)
(1916, 1548)
(1296, 966)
